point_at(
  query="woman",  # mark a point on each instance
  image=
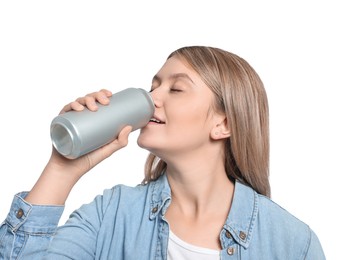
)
(206, 190)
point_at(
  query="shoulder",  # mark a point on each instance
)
(269, 209)
(281, 225)
(154, 191)
(125, 194)
(270, 227)
(137, 199)
(120, 198)
(267, 218)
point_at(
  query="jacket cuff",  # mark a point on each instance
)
(37, 219)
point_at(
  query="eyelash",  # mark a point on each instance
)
(172, 90)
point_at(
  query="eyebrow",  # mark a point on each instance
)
(174, 76)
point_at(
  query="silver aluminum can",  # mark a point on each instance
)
(76, 133)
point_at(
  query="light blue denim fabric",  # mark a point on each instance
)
(129, 223)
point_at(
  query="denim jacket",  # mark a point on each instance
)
(129, 223)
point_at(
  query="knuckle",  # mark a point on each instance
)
(74, 103)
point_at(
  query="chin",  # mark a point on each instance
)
(145, 139)
(147, 144)
(144, 142)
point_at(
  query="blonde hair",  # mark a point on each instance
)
(240, 94)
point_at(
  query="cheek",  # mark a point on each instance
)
(190, 120)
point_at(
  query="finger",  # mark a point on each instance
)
(89, 101)
(72, 106)
(102, 97)
(107, 92)
(123, 136)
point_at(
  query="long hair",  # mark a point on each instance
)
(240, 94)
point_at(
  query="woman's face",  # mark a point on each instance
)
(183, 117)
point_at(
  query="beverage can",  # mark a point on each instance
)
(76, 133)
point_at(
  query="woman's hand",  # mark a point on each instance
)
(88, 161)
(61, 174)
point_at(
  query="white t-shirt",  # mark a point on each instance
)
(180, 250)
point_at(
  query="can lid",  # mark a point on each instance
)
(62, 139)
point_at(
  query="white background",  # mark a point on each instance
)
(51, 52)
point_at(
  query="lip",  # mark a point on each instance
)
(155, 117)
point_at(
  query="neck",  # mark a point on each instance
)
(200, 186)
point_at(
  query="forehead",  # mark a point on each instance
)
(178, 66)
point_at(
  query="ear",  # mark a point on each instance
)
(221, 129)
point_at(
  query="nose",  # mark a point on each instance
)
(157, 98)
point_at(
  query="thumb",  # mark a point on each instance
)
(122, 138)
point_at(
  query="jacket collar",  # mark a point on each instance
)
(242, 215)
(160, 192)
(241, 218)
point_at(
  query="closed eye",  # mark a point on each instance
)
(175, 90)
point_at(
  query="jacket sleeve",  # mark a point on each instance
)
(315, 250)
(77, 238)
(28, 229)
(31, 232)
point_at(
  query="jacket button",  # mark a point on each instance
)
(227, 234)
(230, 250)
(19, 214)
(242, 235)
(155, 209)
